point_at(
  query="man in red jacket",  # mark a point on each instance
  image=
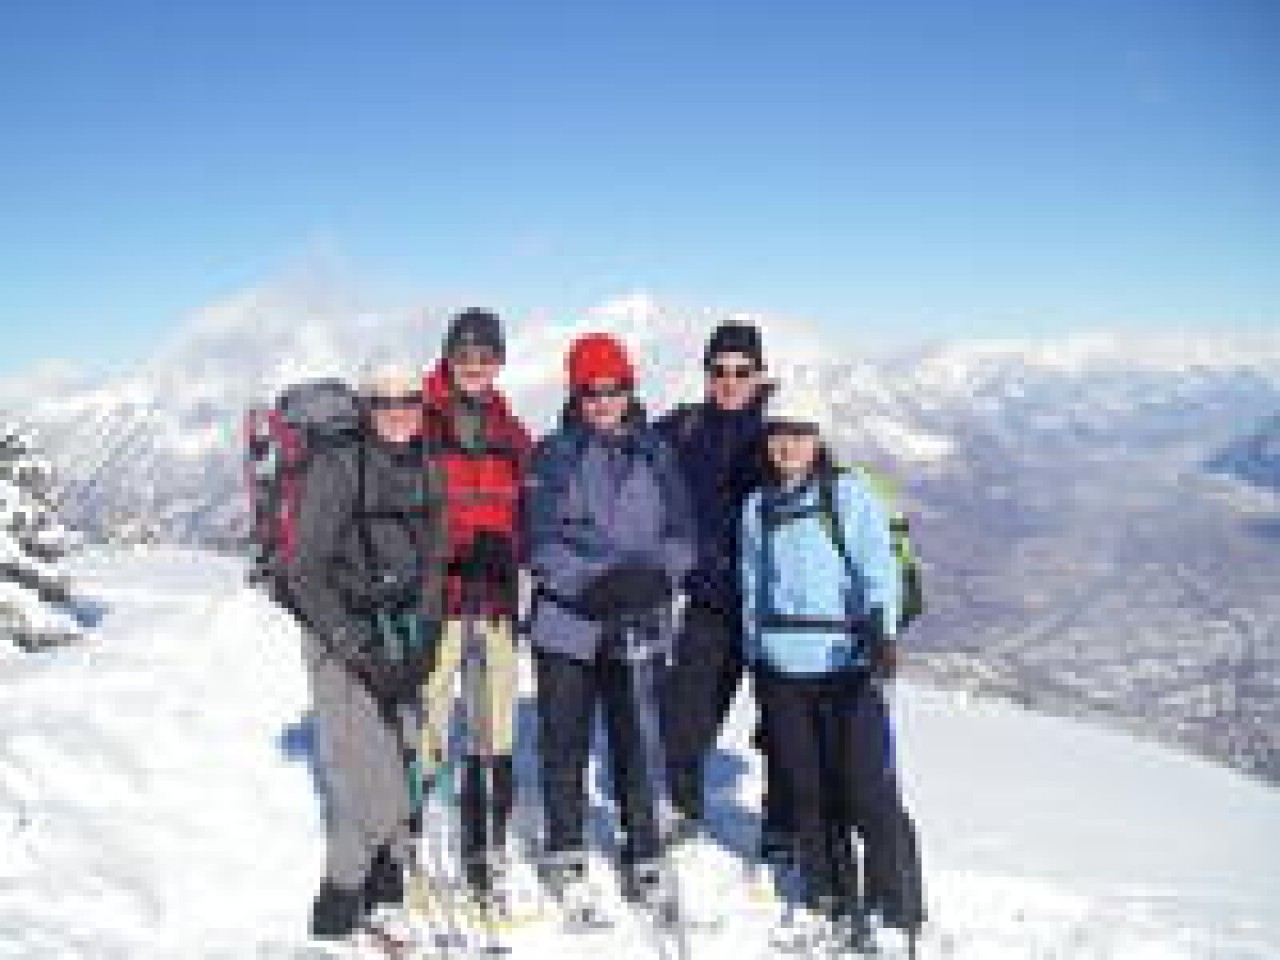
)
(482, 451)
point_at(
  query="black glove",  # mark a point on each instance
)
(385, 680)
(626, 589)
(882, 649)
(489, 559)
(388, 679)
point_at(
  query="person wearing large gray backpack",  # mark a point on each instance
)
(348, 524)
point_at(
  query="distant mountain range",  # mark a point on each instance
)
(1089, 509)
(1254, 458)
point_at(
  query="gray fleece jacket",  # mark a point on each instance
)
(403, 513)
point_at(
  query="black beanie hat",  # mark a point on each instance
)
(735, 338)
(475, 328)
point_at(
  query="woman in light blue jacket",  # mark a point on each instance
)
(821, 598)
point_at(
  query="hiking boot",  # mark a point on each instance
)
(565, 879)
(384, 886)
(336, 912)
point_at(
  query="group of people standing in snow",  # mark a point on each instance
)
(668, 559)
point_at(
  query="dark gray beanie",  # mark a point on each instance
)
(475, 328)
(735, 338)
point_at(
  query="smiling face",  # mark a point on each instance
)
(396, 417)
(474, 370)
(733, 380)
(604, 405)
(793, 450)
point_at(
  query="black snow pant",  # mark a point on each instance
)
(698, 691)
(569, 691)
(832, 749)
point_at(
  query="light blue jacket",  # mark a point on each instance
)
(804, 607)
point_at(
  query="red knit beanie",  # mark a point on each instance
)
(598, 356)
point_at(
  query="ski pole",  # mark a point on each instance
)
(453, 933)
(887, 692)
(478, 730)
(429, 863)
(640, 669)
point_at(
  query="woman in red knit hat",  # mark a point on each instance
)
(610, 535)
(599, 358)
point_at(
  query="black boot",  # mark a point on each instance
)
(645, 883)
(686, 791)
(336, 912)
(504, 799)
(384, 886)
(776, 845)
(776, 841)
(844, 869)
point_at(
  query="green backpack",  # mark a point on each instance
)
(886, 493)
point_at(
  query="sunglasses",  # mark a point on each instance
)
(604, 391)
(398, 402)
(720, 371)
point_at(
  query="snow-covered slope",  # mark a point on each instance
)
(153, 805)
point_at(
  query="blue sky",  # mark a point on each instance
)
(921, 169)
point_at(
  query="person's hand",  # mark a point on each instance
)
(884, 662)
(387, 680)
(882, 649)
(489, 559)
(626, 589)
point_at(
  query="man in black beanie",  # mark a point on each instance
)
(719, 444)
(475, 328)
(481, 450)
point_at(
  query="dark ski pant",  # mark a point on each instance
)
(569, 690)
(833, 758)
(361, 748)
(697, 693)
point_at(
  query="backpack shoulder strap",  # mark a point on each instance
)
(342, 450)
(360, 513)
(829, 511)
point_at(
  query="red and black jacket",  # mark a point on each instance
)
(483, 483)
